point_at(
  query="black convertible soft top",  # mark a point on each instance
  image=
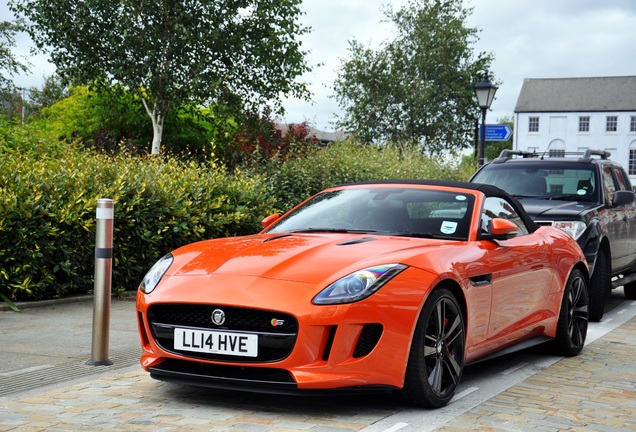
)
(486, 189)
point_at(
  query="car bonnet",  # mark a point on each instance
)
(306, 258)
(543, 209)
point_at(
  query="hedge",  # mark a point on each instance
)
(49, 191)
(48, 204)
(295, 179)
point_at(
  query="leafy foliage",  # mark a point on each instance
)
(53, 90)
(417, 88)
(259, 139)
(47, 222)
(172, 53)
(113, 121)
(295, 179)
(49, 190)
(10, 65)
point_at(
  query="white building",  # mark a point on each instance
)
(561, 115)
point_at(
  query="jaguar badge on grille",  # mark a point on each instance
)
(218, 317)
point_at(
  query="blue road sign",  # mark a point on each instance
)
(498, 132)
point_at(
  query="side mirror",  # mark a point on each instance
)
(623, 197)
(270, 219)
(500, 229)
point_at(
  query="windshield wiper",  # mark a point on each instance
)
(530, 196)
(416, 234)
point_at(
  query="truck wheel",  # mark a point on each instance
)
(630, 290)
(598, 286)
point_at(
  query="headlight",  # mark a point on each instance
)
(155, 274)
(358, 285)
(574, 228)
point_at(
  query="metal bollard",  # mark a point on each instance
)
(102, 286)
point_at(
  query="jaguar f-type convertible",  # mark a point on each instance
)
(387, 286)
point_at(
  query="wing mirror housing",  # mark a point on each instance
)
(500, 229)
(623, 197)
(270, 220)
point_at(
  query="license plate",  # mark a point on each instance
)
(216, 342)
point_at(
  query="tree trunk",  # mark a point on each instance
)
(157, 127)
(157, 133)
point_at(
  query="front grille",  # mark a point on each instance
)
(276, 331)
(237, 318)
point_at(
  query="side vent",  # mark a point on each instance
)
(145, 341)
(329, 344)
(369, 337)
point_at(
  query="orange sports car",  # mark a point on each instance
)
(390, 286)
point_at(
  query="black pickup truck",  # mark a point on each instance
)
(587, 195)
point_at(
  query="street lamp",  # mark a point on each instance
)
(485, 92)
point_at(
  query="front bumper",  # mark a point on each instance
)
(360, 346)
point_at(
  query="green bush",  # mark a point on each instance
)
(49, 191)
(296, 178)
(47, 215)
(112, 121)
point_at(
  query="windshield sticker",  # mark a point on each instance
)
(460, 198)
(581, 192)
(448, 227)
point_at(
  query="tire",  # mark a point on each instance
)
(573, 317)
(436, 360)
(630, 290)
(598, 286)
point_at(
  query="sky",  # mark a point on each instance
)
(528, 39)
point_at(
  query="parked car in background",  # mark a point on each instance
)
(385, 286)
(588, 196)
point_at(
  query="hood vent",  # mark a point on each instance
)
(356, 241)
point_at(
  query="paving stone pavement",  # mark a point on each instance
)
(595, 391)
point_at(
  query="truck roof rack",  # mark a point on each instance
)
(587, 156)
(508, 154)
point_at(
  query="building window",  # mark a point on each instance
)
(557, 153)
(632, 161)
(632, 124)
(584, 124)
(611, 124)
(533, 124)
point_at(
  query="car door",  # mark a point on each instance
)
(616, 221)
(628, 211)
(521, 273)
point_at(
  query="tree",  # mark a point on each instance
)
(53, 90)
(10, 65)
(241, 53)
(416, 88)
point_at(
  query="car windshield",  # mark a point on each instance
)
(558, 182)
(411, 212)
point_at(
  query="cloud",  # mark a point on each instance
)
(547, 39)
(528, 39)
